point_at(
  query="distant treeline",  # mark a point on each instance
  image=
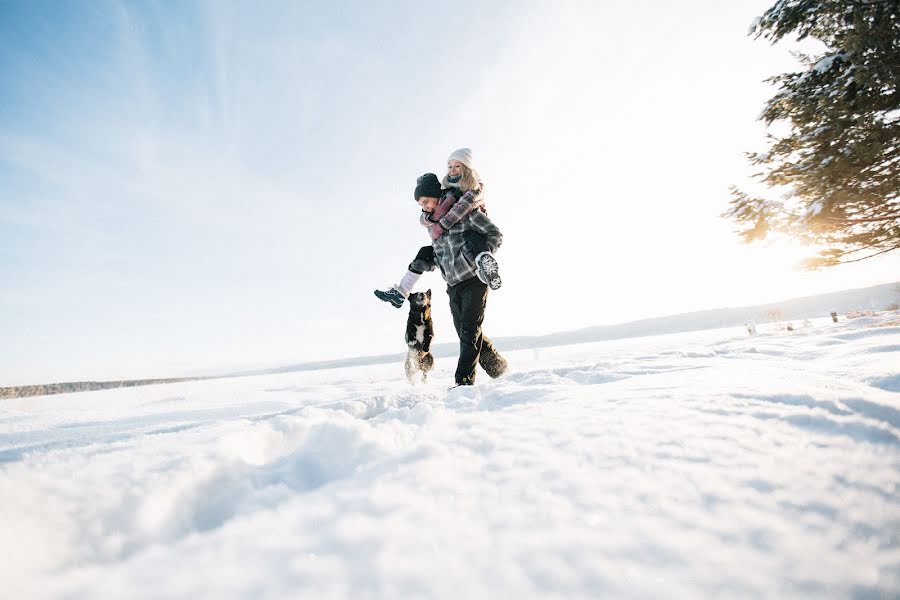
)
(876, 297)
(23, 391)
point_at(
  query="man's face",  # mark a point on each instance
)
(454, 168)
(428, 204)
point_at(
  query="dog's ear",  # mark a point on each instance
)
(428, 293)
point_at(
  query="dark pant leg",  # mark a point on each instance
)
(467, 303)
(490, 360)
(476, 243)
(424, 260)
(455, 297)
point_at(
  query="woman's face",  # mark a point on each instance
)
(454, 168)
(428, 204)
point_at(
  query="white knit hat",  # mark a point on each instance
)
(463, 155)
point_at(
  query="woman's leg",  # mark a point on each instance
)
(485, 264)
(476, 243)
(407, 283)
(396, 294)
(424, 261)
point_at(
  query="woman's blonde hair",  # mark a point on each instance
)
(469, 179)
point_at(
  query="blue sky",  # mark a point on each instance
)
(192, 185)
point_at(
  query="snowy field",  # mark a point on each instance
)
(700, 465)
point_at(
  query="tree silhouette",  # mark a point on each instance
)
(838, 168)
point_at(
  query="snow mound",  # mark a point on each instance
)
(702, 465)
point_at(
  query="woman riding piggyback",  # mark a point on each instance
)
(443, 205)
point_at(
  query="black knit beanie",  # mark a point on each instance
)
(428, 185)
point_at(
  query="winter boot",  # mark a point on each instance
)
(494, 365)
(392, 295)
(487, 270)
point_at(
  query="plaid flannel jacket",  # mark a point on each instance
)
(460, 207)
(457, 264)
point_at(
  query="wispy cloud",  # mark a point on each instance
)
(205, 181)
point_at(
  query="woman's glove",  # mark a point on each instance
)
(436, 231)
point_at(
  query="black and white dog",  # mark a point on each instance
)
(419, 331)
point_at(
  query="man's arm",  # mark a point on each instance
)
(482, 224)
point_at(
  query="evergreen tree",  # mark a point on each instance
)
(839, 167)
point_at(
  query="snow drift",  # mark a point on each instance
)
(703, 465)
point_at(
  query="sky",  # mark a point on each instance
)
(190, 186)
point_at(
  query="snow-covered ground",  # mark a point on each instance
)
(701, 465)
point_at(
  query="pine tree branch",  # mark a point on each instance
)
(854, 251)
(845, 262)
(870, 220)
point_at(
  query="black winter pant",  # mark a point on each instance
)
(467, 303)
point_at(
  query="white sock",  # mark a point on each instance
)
(407, 283)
